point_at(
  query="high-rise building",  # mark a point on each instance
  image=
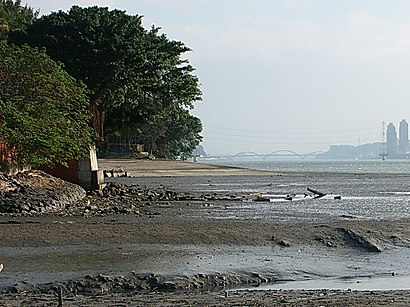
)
(391, 140)
(403, 136)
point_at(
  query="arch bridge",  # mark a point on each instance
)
(276, 153)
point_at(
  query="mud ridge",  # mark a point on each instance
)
(362, 241)
(137, 282)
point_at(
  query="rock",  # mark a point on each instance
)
(284, 243)
(24, 207)
(261, 198)
(107, 174)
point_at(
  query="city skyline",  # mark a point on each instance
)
(397, 145)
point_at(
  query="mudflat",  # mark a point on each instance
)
(216, 242)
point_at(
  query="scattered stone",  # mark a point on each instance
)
(115, 173)
(330, 244)
(284, 243)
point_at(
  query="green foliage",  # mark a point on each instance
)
(102, 48)
(43, 111)
(182, 135)
(136, 76)
(14, 17)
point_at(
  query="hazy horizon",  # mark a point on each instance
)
(287, 74)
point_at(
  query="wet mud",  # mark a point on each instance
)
(220, 240)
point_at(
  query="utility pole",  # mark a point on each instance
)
(383, 149)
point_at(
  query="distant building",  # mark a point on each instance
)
(391, 140)
(363, 151)
(403, 136)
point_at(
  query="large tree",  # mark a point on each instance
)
(44, 112)
(181, 135)
(14, 17)
(94, 44)
(134, 74)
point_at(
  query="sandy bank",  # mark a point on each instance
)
(163, 168)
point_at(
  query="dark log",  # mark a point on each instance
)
(317, 193)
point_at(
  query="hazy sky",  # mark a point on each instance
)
(287, 74)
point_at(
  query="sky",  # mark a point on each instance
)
(298, 75)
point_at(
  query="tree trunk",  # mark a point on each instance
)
(97, 120)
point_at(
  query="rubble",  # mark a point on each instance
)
(37, 192)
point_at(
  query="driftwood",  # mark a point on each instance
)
(317, 193)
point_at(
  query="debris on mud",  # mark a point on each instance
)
(311, 194)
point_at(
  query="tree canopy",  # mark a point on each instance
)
(14, 17)
(44, 115)
(136, 76)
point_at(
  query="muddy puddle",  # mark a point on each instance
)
(306, 266)
(372, 283)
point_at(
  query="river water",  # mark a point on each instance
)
(321, 166)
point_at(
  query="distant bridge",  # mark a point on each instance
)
(276, 153)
